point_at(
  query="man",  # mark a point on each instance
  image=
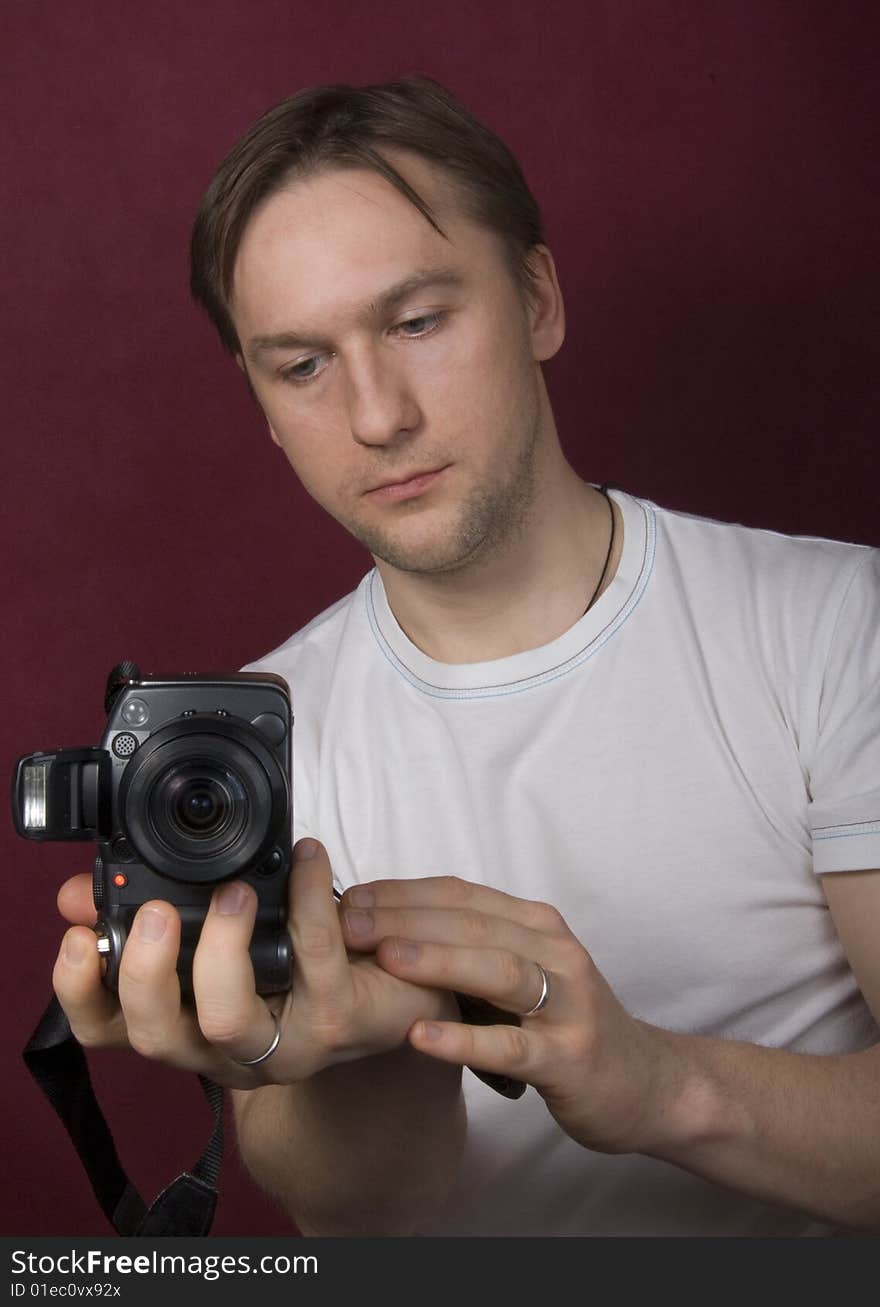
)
(610, 769)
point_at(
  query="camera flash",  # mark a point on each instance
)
(34, 788)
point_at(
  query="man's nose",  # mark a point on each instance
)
(381, 405)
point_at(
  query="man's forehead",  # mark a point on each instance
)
(322, 200)
(430, 181)
(325, 246)
(349, 212)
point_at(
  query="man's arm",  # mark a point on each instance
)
(363, 1148)
(799, 1130)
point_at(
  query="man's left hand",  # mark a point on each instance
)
(609, 1080)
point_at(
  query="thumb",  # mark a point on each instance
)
(311, 876)
(75, 901)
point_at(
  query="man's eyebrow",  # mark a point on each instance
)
(384, 303)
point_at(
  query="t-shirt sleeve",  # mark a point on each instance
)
(844, 812)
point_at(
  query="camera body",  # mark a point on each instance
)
(189, 787)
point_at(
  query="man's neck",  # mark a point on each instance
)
(522, 597)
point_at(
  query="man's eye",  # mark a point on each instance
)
(305, 370)
(421, 326)
(410, 329)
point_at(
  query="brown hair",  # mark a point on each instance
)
(346, 126)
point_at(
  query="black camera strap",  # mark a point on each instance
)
(186, 1207)
(58, 1064)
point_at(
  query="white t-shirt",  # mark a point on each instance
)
(671, 774)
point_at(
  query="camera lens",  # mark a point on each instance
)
(202, 800)
(198, 803)
(199, 800)
(198, 809)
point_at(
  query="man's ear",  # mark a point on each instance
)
(546, 311)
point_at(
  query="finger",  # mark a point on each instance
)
(75, 901)
(505, 1050)
(149, 990)
(231, 1014)
(320, 956)
(92, 1011)
(459, 927)
(453, 892)
(507, 980)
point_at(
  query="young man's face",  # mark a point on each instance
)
(414, 419)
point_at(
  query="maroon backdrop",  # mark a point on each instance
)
(705, 171)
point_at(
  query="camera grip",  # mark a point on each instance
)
(270, 948)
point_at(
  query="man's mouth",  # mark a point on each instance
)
(406, 486)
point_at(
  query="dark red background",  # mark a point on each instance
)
(706, 175)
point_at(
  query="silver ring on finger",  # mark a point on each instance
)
(544, 995)
(255, 1061)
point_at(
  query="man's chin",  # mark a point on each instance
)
(423, 561)
(441, 539)
(434, 555)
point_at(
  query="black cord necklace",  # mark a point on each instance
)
(603, 490)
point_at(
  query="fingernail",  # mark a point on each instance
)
(150, 925)
(406, 952)
(231, 899)
(430, 1030)
(306, 849)
(359, 923)
(74, 949)
(361, 897)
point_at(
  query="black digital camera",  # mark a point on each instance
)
(190, 786)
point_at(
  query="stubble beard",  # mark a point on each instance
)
(490, 517)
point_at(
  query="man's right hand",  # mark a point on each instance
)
(340, 1008)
